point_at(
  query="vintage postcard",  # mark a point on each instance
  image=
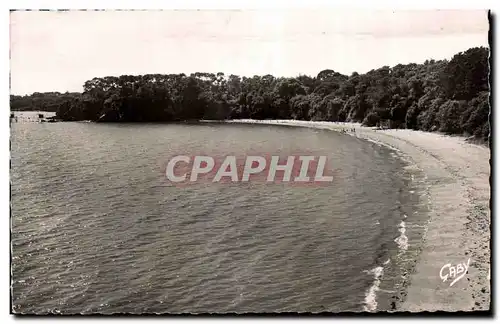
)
(249, 161)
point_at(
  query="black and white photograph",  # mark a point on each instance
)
(270, 161)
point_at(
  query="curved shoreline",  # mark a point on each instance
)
(459, 220)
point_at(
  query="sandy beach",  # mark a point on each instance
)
(457, 176)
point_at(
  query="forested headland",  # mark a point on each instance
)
(448, 96)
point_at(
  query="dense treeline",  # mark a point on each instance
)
(47, 101)
(448, 96)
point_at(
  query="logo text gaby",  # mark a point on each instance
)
(454, 272)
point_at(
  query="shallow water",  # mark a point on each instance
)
(97, 228)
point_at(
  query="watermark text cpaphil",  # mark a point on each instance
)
(230, 168)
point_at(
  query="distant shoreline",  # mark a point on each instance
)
(469, 139)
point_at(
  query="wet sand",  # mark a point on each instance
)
(457, 175)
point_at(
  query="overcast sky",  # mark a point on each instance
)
(59, 51)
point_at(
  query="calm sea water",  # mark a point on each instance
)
(96, 228)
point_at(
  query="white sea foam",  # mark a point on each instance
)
(371, 294)
(402, 239)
